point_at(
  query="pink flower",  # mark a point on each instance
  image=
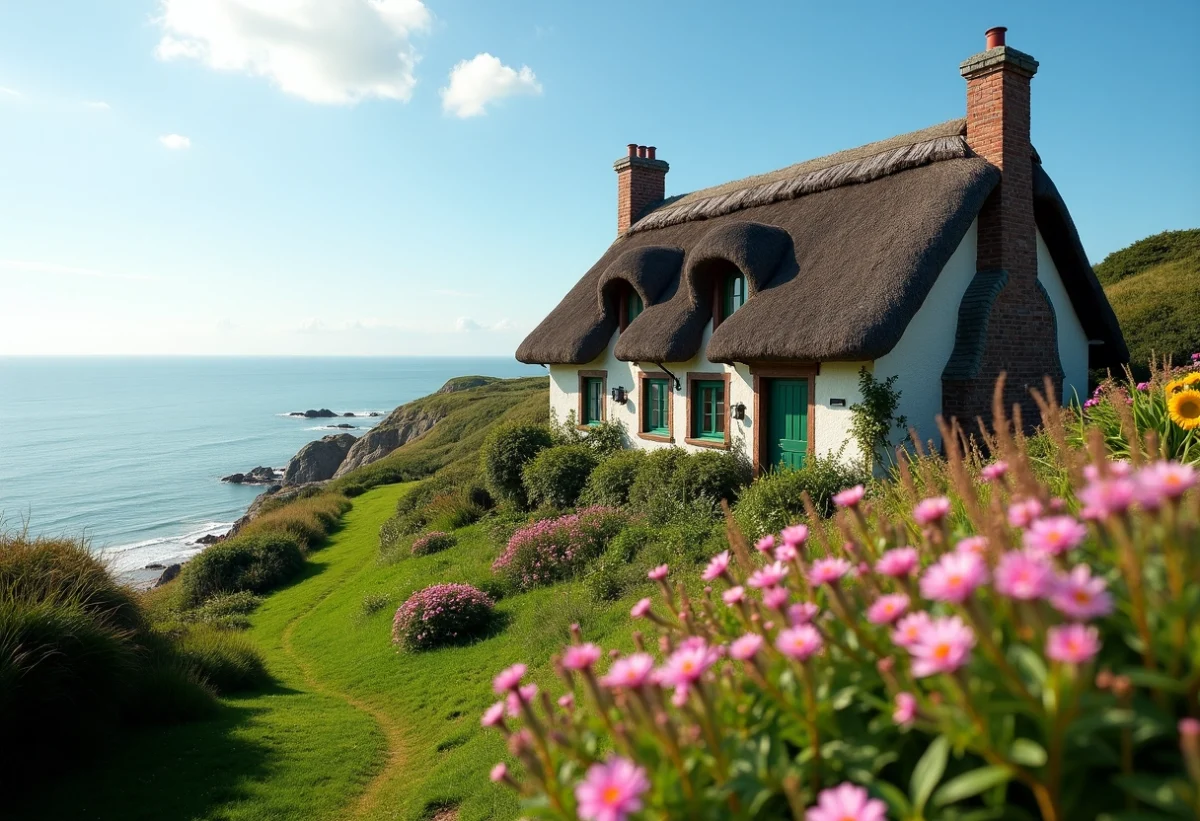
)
(745, 647)
(733, 595)
(640, 609)
(611, 791)
(580, 656)
(994, 471)
(1196, 357)
(508, 679)
(785, 552)
(802, 613)
(1143, 386)
(849, 497)
(799, 642)
(795, 535)
(766, 544)
(658, 574)
(931, 511)
(846, 802)
(493, 715)
(901, 561)
(567, 701)
(631, 671)
(686, 665)
(942, 647)
(1072, 643)
(1106, 497)
(526, 693)
(973, 544)
(499, 772)
(775, 597)
(768, 576)
(1054, 535)
(1024, 575)
(1189, 728)
(828, 571)
(886, 609)
(910, 628)
(1164, 480)
(717, 567)
(1118, 468)
(954, 577)
(906, 709)
(1078, 595)
(1024, 511)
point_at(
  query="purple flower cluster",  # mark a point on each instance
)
(555, 549)
(433, 542)
(441, 614)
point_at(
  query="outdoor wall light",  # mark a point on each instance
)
(618, 394)
(739, 411)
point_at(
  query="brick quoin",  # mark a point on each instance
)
(641, 182)
(1022, 338)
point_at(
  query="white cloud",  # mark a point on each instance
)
(324, 51)
(175, 141)
(97, 105)
(476, 82)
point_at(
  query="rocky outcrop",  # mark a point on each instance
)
(257, 476)
(323, 413)
(168, 575)
(465, 383)
(402, 425)
(318, 461)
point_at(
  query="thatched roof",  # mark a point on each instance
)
(839, 253)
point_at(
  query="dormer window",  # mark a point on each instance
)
(729, 294)
(629, 306)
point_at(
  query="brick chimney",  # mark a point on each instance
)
(641, 182)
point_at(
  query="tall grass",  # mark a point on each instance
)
(309, 519)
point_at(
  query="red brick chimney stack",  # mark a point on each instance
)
(641, 182)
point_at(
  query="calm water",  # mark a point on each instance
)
(129, 451)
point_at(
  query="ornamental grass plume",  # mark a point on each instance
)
(960, 663)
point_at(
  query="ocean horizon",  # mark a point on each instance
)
(128, 452)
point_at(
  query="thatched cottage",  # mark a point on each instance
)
(740, 315)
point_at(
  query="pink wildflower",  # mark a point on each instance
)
(1189, 727)
(1072, 643)
(802, 613)
(973, 544)
(686, 665)
(658, 574)
(954, 577)
(733, 595)
(768, 576)
(910, 628)
(795, 535)
(508, 679)
(1024, 511)
(499, 772)
(1161, 481)
(994, 471)
(716, 567)
(567, 701)
(898, 562)
(611, 791)
(931, 511)
(846, 802)
(1143, 386)
(493, 715)
(766, 544)
(942, 647)
(1079, 595)
(640, 609)
(1054, 535)
(828, 571)
(775, 597)
(849, 497)
(526, 693)
(745, 647)
(1024, 575)
(1106, 497)
(1196, 357)
(631, 671)
(886, 609)
(799, 642)
(785, 552)
(580, 656)
(1117, 468)
(906, 709)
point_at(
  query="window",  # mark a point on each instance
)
(633, 306)
(656, 411)
(593, 401)
(708, 409)
(735, 295)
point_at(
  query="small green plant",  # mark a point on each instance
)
(557, 475)
(505, 453)
(433, 542)
(873, 420)
(613, 478)
(372, 603)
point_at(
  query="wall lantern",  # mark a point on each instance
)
(618, 395)
(739, 411)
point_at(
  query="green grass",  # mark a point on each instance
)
(1157, 311)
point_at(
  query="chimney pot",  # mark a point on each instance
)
(639, 184)
(650, 152)
(641, 151)
(632, 149)
(995, 36)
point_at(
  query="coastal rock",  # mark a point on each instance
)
(402, 425)
(318, 461)
(348, 414)
(257, 476)
(344, 426)
(373, 414)
(155, 566)
(208, 538)
(168, 575)
(323, 413)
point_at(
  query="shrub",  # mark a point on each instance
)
(309, 519)
(228, 662)
(251, 562)
(555, 549)
(450, 511)
(433, 542)
(873, 420)
(372, 603)
(441, 615)
(165, 690)
(670, 481)
(557, 475)
(505, 452)
(612, 479)
(773, 500)
(710, 474)
(228, 610)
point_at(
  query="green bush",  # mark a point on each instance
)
(450, 511)
(638, 548)
(773, 501)
(505, 452)
(255, 563)
(165, 690)
(227, 661)
(227, 610)
(613, 478)
(557, 475)
(309, 518)
(672, 484)
(433, 542)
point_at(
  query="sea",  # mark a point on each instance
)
(128, 452)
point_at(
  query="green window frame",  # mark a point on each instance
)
(735, 294)
(656, 414)
(708, 407)
(633, 306)
(593, 401)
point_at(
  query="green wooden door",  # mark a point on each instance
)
(787, 425)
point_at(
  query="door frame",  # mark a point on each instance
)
(780, 370)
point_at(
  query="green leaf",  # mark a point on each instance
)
(969, 784)
(894, 797)
(928, 772)
(1027, 752)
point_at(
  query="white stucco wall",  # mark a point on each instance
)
(1072, 340)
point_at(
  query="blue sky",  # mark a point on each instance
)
(397, 177)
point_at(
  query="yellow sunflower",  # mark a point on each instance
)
(1184, 408)
(1182, 382)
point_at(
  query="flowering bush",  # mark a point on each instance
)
(440, 615)
(555, 549)
(1026, 663)
(434, 541)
